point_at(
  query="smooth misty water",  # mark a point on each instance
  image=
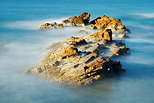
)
(24, 46)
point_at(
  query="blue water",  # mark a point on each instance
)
(22, 46)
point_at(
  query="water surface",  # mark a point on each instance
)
(24, 46)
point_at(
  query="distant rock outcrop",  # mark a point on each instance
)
(100, 23)
(82, 32)
(81, 20)
(51, 26)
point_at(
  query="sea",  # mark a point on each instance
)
(23, 46)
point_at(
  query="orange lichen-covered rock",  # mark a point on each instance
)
(80, 64)
(108, 35)
(83, 60)
(104, 22)
(66, 52)
(80, 20)
(102, 34)
(82, 32)
(75, 41)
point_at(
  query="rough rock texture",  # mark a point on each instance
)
(81, 20)
(75, 41)
(104, 22)
(82, 32)
(100, 35)
(82, 60)
(50, 26)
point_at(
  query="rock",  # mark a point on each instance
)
(82, 32)
(79, 71)
(100, 35)
(118, 50)
(55, 46)
(85, 17)
(75, 41)
(81, 20)
(104, 22)
(82, 60)
(122, 35)
(108, 35)
(50, 26)
(66, 52)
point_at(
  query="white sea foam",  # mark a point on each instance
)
(34, 44)
(30, 24)
(140, 60)
(141, 40)
(142, 26)
(145, 15)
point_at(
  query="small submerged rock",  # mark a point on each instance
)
(81, 20)
(51, 26)
(82, 32)
(104, 22)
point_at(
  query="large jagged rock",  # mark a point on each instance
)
(81, 20)
(81, 61)
(104, 22)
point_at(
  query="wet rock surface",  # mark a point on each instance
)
(100, 35)
(82, 32)
(104, 22)
(51, 26)
(82, 60)
(81, 20)
(100, 23)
